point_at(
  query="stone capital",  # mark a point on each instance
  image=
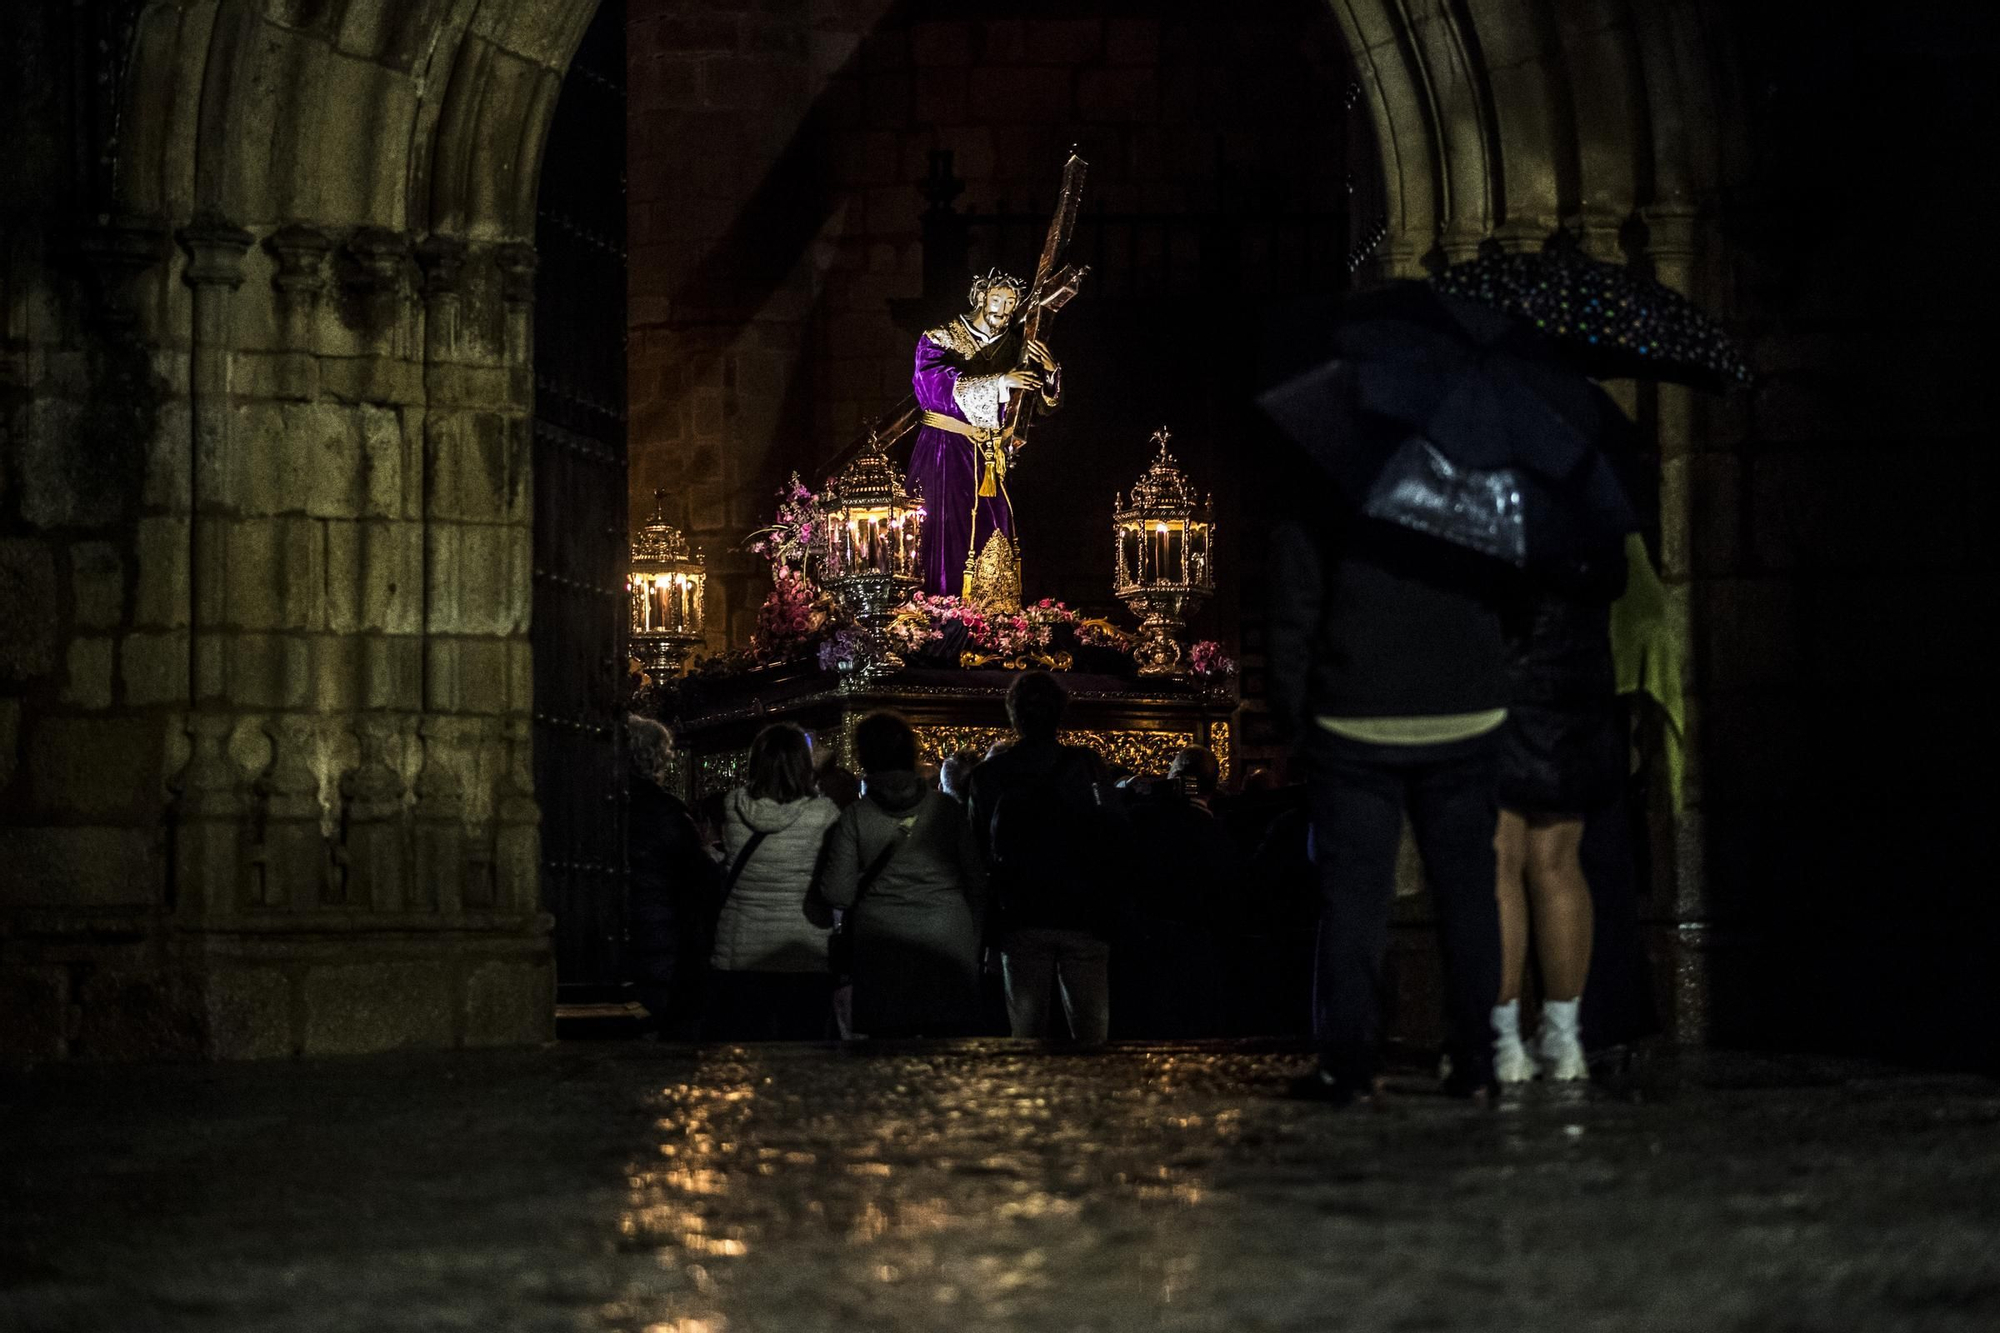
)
(376, 256)
(1673, 230)
(112, 253)
(516, 262)
(1520, 236)
(301, 253)
(442, 259)
(215, 249)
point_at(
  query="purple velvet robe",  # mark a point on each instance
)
(944, 467)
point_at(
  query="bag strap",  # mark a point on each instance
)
(755, 841)
(881, 861)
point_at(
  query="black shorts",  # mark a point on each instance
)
(1561, 760)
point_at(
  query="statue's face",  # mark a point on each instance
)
(998, 307)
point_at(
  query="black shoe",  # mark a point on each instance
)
(1319, 1085)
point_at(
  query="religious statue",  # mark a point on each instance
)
(965, 384)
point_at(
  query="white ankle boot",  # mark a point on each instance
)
(1559, 1043)
(1510, 1059)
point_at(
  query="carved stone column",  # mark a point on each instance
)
(516, 263)
(1674, 248)
(207, 819)
(212, 798)
(440, 821)
(300, 281)
(214, 270)
(374, 832)
(291, 858)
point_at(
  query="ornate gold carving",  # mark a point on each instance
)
(960, 338)
(1144, 752)
(993, 581)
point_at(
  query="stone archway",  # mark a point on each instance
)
(272, 791)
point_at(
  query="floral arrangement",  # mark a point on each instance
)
(1033, 635)
(801, 622)
(794, 617)
(1207, 660)
(849, 649)
(787, 543)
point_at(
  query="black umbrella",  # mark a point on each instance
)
(1450, 418)
(1610, 322)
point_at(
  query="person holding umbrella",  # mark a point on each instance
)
(1447, 448)
(1563, 749)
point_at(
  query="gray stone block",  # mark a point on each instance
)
(154, 668)
(35, 1001)
(163, 550)
(97, 582)
(77, 867)
(249, 1013)
(385, 462)
(89, 674)
(94, 766)
(10, 740)
(138, 1014)
(27, 608)
(352, 1008)
(510, 1004)
(392, 576)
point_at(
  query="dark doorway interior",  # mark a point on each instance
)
(580, 514)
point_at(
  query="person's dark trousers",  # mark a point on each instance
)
(1359, 794)
(767, 1006)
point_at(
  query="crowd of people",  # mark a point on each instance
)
(1026, 890)
(1013, 892)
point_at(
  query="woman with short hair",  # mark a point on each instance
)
(768, 976)
(901, 865)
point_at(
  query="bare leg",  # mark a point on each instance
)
(1510, 846)
(1561, 904)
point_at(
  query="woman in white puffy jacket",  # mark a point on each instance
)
(768, 978)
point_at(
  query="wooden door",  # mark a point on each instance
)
(580, 515)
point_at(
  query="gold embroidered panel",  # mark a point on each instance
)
(958, 336)
(1145, 752)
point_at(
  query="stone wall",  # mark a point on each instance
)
(264, 543)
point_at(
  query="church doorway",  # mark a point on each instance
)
(580, 516)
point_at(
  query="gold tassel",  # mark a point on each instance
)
(986, 490)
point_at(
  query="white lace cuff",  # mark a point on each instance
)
(980, 398)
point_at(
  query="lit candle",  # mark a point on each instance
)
(1159, 552)
(1176, 554)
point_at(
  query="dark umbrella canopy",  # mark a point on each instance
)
(1610, 322)
(1450, 418)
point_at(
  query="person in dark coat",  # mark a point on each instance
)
(901, 866)
(674, 885)
(1185, 908)
(1051, 839)
(1386, 659)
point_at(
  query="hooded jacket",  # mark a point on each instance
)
(917, 928)
(763, 926)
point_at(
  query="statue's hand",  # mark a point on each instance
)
(1024, 380)
(1036, 350)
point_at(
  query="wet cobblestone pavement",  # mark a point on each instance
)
(983, 1187)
